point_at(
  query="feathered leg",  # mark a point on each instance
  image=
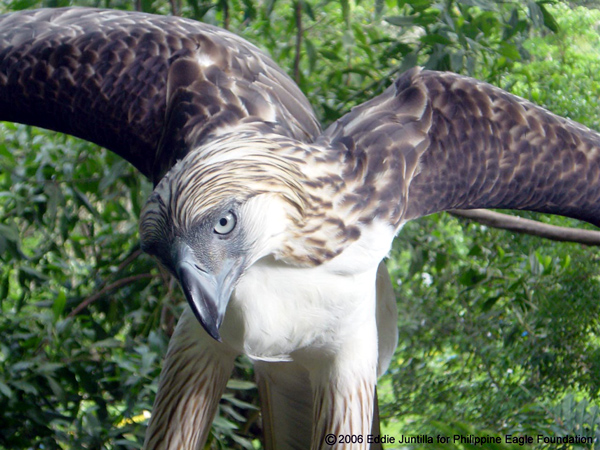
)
(344, 382)
(193, 378)
(286, 402)
(346, 410)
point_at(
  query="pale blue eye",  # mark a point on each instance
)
(225, 224)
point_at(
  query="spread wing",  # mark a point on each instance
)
(436, 141)
(147, 87)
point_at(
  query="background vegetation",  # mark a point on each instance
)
(498, 332)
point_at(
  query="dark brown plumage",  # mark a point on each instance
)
(437, 141)
(129, 81)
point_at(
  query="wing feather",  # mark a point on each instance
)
(435, 141)
(492, 149)
(147, 87)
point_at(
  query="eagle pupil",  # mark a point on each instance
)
(223, 221)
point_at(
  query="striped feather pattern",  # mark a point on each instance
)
(343, 410)
(192, 381)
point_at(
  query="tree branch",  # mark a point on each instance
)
(117, 284)
(174, 9)
(128, 260)
(225, 8)
(527, 226)
(299, 33)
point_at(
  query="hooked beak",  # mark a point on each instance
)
(207, 293)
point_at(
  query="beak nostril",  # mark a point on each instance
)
(200, 268)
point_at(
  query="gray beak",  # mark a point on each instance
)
(207, 293)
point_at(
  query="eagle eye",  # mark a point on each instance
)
(225, 224)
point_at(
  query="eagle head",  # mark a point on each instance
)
(217, 212)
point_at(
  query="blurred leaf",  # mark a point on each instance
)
(9, 232)
(59, 304)
(311, 53)
(471, 277)
(400, 21)
(240, 384)
(548, 19)
(483, 4)
(431, 39)
(5, 390)
(330, 55)
(345, 5)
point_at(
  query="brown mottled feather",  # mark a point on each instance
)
(432, 141)
(104, 76)
(491, 149)
(435, 141)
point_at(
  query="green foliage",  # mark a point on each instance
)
(563, 75)
(85, 315)
(498, 331)
(493, 327)
(69, 234)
